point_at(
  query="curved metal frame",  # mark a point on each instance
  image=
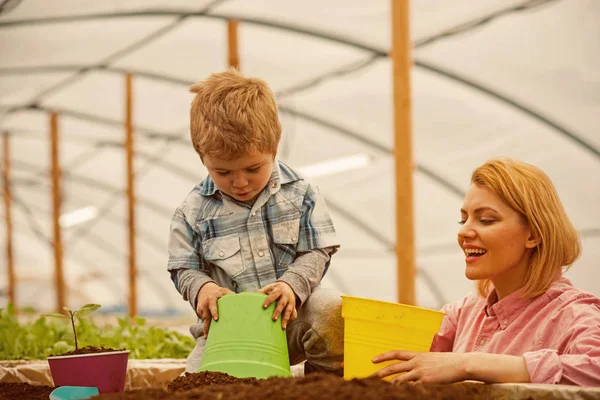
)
(375, 53)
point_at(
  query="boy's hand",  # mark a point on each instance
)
(207, 303)
(286, 301)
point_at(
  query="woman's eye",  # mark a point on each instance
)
(462, 222)
(487, 221)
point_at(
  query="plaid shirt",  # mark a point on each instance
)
(244, 248)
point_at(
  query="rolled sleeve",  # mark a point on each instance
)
(306, 272)
(578, 365)
(543, 366)
(316, 226)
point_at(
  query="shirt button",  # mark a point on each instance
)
(261, 254)
(221, 253)
(504, 322)
(294, 238)
(482, 342)
(274, 185)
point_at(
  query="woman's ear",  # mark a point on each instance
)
(532, 242)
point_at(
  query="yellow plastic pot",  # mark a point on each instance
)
(372, 327)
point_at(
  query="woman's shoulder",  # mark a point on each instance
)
(571, 302)
(564, 291)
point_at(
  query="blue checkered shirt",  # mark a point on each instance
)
(244, 248)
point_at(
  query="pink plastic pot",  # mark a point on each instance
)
(105, 371)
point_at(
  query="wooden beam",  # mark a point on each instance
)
(405, 241)
(130, 194)
(55, 173)
(8, 214)
(233, 59)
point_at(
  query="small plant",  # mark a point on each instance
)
(43, 337)
(82, 312)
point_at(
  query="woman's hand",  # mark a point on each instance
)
(286, 301)
(207, 303)
(453, 367)
(423, 367)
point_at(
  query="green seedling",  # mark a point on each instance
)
(80, 313)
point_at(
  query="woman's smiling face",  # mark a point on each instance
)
(495, 238)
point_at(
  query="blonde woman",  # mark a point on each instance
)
(527, 323)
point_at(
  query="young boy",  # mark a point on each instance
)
(254, 225)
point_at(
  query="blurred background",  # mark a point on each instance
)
(489, 78)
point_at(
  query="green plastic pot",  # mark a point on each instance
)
(245, 342)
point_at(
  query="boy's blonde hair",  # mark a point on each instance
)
(232, 115)
(528, 190)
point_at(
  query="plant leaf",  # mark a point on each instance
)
(87, 309)
(55, 315)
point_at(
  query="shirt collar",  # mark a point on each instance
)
(280, 175)
(508, 309)
(208, 187)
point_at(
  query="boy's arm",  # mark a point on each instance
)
(316, 244)
(306, 272)
(189, 282)
(184, 260)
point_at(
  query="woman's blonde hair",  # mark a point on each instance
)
(528, 190)
(232, 115)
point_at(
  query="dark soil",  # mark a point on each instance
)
(190, 381)
(217, 386)
(88, 350)
(315, 386)
(13, 390)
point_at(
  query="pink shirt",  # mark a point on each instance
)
(558, 333)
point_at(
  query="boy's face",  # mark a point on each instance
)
(242, 178)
